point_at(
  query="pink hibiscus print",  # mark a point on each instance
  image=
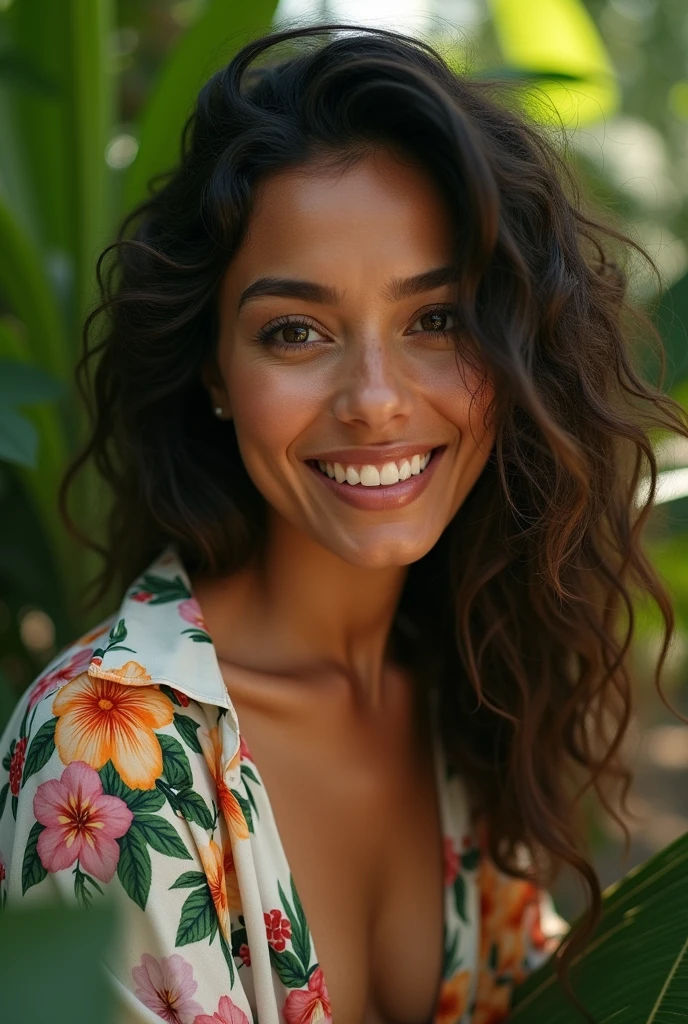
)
(311, 1006)
(81, 822)
(67, 670)
(226, 1013)
(166, 986)
(190, 611)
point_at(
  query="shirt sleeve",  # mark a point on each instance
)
(519, 930)
(126, 813)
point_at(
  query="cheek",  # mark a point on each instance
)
(271, 407)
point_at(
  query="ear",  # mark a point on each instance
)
(211, 379)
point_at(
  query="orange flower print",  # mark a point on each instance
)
(309, 1006)
(453, 998)
(493, 1002)
(229, 805)
(101, 720)
(213, 865)
(231, 881)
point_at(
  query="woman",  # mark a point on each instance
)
(373, 433)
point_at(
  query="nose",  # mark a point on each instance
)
(372, 389)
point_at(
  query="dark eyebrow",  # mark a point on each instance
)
(398, 288)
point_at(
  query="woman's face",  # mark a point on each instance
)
(333, 349)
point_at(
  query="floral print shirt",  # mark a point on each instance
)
(124, 772)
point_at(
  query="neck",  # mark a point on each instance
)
(304, 611)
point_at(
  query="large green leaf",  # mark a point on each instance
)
(635, 970)
(68, 43)
(557, 42)
(221, 30)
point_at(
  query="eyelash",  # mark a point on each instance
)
(266, 335)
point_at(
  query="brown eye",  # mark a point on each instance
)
(294, 334)
(433, 321)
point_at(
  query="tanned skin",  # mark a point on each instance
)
(338, 731)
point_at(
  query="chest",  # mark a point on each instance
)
(355, 816)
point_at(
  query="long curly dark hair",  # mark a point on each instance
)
(524, 609)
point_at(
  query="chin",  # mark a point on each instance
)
(383, 553)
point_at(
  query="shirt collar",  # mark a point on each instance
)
(158, 636)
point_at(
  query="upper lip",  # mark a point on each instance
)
(373, 455)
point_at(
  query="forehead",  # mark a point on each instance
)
(381, 215)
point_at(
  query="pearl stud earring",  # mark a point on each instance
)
(218, 410)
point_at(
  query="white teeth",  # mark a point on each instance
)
(370, 476)
(389, 474)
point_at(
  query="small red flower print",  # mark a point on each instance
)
(245, 954)
(244, 752)
(309, 1006)
(451, 861)
(278, 928)
(142, 595)
(181, 697)
(17, 766)
(3, 873)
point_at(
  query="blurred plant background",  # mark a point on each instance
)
(93, 96)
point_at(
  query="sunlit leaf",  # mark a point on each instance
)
(635, 970)
(557, 41)
(222, 30)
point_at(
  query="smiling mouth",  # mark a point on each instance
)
(388, 475)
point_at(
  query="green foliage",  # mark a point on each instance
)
(68, 943)
(635, 970)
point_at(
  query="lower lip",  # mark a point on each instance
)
(382, 497)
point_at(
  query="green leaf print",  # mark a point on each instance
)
(450, 961)
(144, 801)
(187, 729)
(175, 763)
(197, 918)
(3, 797)
(288, 968)
(470, 859)
(300, 937)
(460, 897)
(189, 880)
(194, 808)
(160, 835)
(139, 801)
(40, 750)
(239, 939)
(170, 694)
(134, 867)
(33, 871)
(118, 633)
(112, 783)
(199, 636)
(163, 590)
(245, 809)
(227, 954)
(82, 881)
